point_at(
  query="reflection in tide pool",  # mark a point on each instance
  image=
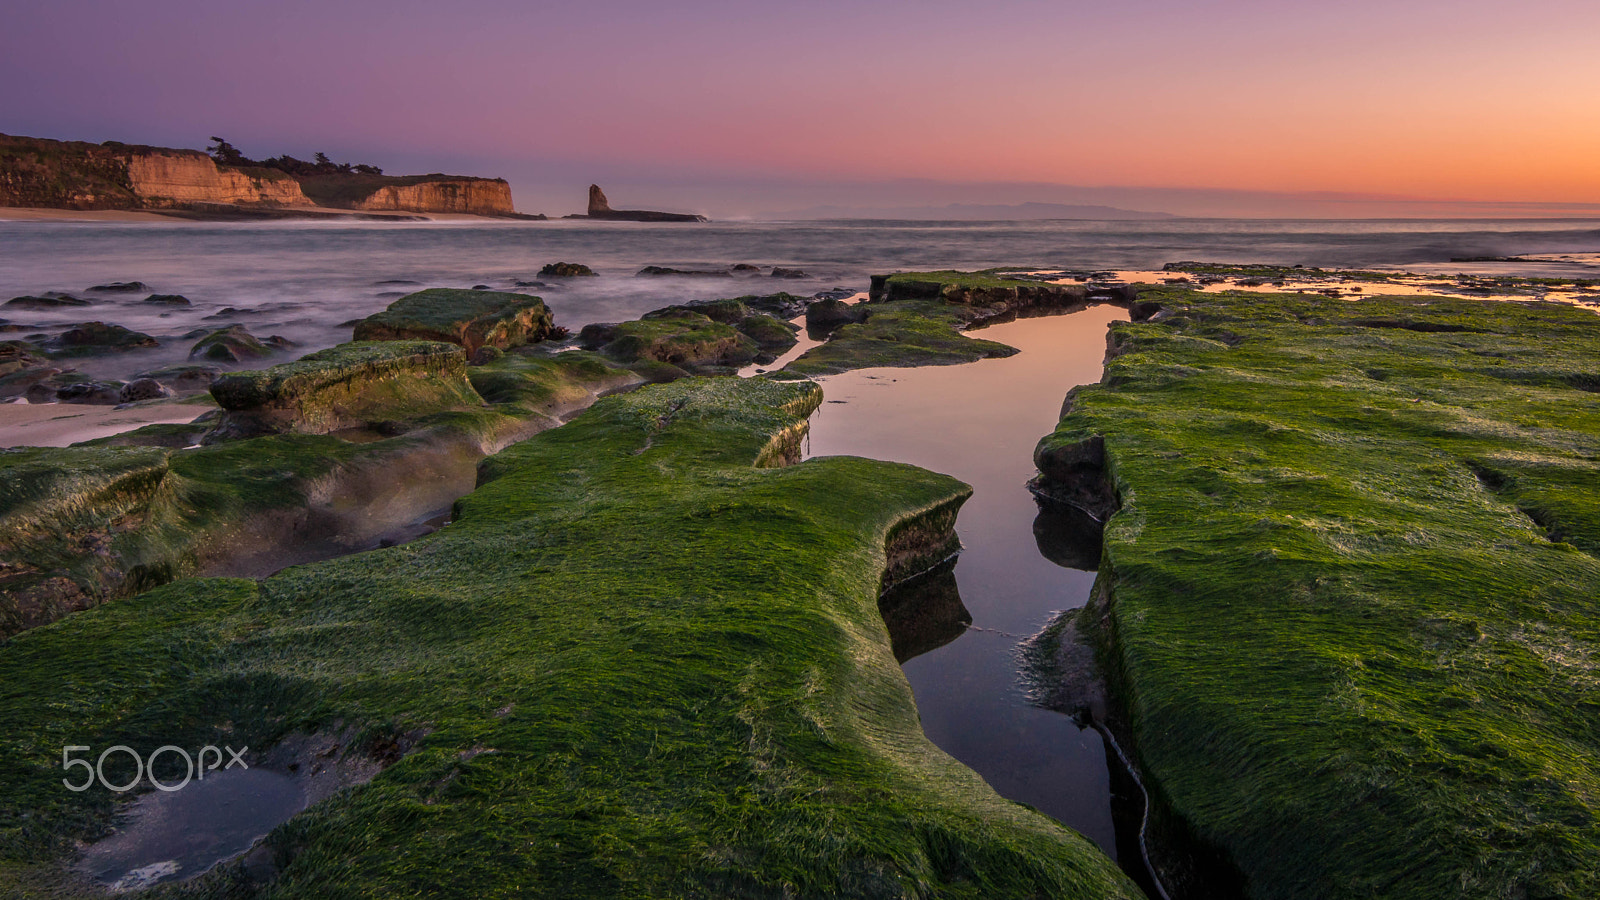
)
(979, 422)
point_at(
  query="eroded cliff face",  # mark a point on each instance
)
(179, 179)
(477, 196)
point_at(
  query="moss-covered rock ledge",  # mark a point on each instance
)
(81, 525)
(918, 319)
(1351, 599)
(646, 660)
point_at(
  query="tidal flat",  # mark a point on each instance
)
(648, 655)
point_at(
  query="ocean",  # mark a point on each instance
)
(306, 280)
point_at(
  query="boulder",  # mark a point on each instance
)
(97, 393)
(348, 386)
(121, 287)
(824, 316)
(183, 378)
(168, 299)
(565, 270)
(92, 338)
(769, 334)
(667, 270)
(141, 389)
(48, 301)
(21, 383)
(682, 337)
(781, 272)
(470, 318)
(231, 344)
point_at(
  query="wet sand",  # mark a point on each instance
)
(61, 424)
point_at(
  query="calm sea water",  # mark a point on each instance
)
(304, 280)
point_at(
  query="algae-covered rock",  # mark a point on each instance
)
(347, 386)
(142, 389)
(685, 338)
(825, 315)
(771, 335)
(469, 318)
(1349, 601)
(645, 659)
(183, 378)
(47, 301)
(565, 270)
(64, 516)
(235, 343)
(93, 338)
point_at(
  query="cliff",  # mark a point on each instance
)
(415, 193)
(178, 178)
(38, 172)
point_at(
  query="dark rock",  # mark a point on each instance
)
(168, 299)
(769, 334)
(98, 393)
(231, 344)
(481, 287)
(182, 378)
(597, 334)
(537, 284)
(565, 270)
(144, 389)
(18, 355)
(746, 269)
(780, 272)
(485, 355)
(823, 316)
(55, 301)
(1141, 312)
(100, 337)
(395, 281)
(600, 208)
(20, 382)
(121, 287)
(666, 270)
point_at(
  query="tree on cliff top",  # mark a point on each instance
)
(225, 153)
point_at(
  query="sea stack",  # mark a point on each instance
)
(600, 208)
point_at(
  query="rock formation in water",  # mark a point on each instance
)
(600, 208)
(42, 173)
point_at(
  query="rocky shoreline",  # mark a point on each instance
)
(1318, 520)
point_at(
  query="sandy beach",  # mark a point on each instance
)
(60, 424)
(300, 213)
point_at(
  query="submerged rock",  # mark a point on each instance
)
(168, 299)
(667, 270)
(92, 338)
(232, 344)
(48, 301)
(348, 386)
(183, 378)
(565, 270)
(469, 318)
(781, 272)
(121, 287)
(141, 389)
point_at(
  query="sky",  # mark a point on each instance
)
(1196, 107)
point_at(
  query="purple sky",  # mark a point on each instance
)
(742, 108)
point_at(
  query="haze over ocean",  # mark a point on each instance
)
(1365, 108)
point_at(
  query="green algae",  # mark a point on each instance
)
(1349, 600)
(645, 660)
(681, 337)
(346, 386)
(472, 319)
(105, 520)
